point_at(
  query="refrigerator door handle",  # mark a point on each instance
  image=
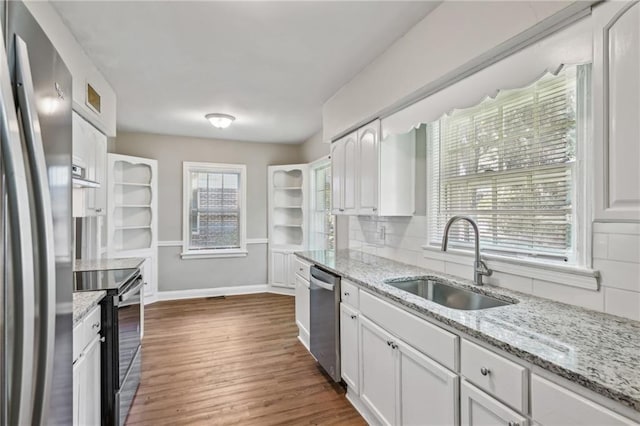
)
(44, 225)
(23, 265)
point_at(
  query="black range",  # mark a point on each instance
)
(121, 328)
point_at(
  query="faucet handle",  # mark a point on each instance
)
(483, 269)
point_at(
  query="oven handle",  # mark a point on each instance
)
(322, 284)
(133, 290)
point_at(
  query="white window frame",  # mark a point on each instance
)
(320, 163)
(187, 168)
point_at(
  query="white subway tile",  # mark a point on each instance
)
(512, 282)
(622, 303)
(432, 264)
(355, 245)
(600, 246)
(622, 275)
(625, 248)
(571, 295)
(368, 248)
(463, 271)
(616, 228)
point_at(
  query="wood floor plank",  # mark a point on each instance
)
(230, 361)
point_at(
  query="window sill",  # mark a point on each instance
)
(571, 275)
(213, 254)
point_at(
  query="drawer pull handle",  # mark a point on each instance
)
(354, 316)
(102, 339)
(514, 424)
(485, 372)
(389, 342)
(394, 346)
(96, 325)
(346, 293)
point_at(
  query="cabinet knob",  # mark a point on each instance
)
(98, 210)
(389, 342)
(102, 339)
(354, 316)
(485, 371)
(394, 346)
(95, 325)
(346, 293)
(341, 210)
(514, 423)
(375, 209)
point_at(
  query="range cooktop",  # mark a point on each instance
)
(110, 280)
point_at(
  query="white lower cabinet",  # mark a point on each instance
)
(282, 269)
(86, 371)
(302, 310)
(402, 386)
(349, 353)
(479, 409)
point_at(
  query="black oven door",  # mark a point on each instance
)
(128, 306)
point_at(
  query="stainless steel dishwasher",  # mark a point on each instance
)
(325, 320)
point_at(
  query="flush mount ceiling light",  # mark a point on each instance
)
(220, 121)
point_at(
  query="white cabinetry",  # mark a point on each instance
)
(479, 409)
(288, 221)
(300, 271)
(373, 177)
(402, 386)
(616, 74)
(86, 370)
(349, 351)
(89, 152)
(133, 214)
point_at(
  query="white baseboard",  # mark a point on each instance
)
(219, 291)
(212, 292)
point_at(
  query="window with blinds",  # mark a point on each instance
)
(214, 207)
(509, 163)
(322, 221)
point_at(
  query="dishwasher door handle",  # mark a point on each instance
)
(322, 284)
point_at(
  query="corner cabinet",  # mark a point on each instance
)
(616, 83)
(133, 214)
(288, 223)
(371, 177)
(89, 152)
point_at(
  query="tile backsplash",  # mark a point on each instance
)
(616, 254)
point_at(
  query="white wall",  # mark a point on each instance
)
(175, 274)
(314, 148)
(616, 252)
(451, 36)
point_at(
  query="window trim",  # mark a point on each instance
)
(187, 166)
(317, 164)
(580, 259)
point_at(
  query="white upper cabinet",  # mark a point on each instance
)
(616, 75)
(373, 177)
(90, 152)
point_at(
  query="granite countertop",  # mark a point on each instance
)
(84, 301)
(106, 263)
(598, 351)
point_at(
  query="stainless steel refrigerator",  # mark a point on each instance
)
(36, 233)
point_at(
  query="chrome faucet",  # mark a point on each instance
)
(479, 267)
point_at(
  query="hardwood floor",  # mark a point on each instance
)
(233, 360)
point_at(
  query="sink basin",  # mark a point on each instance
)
(447, 295)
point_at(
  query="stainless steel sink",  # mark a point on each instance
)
(447, 295)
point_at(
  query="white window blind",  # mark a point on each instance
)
(322, 221)
(509, 163)
(214, 209)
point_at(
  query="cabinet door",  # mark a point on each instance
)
(77, 366)
(92, 384)
(368, 168)
(100, 164)
(378, 371)
(279, 269)
(479, 409)
(428, 391)
(337, 176)
(349, 355)
(302, 309)
(616, 76)
(351, 166)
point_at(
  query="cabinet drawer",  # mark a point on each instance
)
(85, 331)
(433, 341)
(500, 377)
(552, 404)
(350, 294)
(302, 268)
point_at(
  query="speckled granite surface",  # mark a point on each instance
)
(83, 302)
(598, 351)
(104, 264)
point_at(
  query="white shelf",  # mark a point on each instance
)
(288, 188)
(288, 207)
(136, 206)
(119, 228)
(147, 185)
(284, 225)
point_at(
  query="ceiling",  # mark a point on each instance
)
(270, 64)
